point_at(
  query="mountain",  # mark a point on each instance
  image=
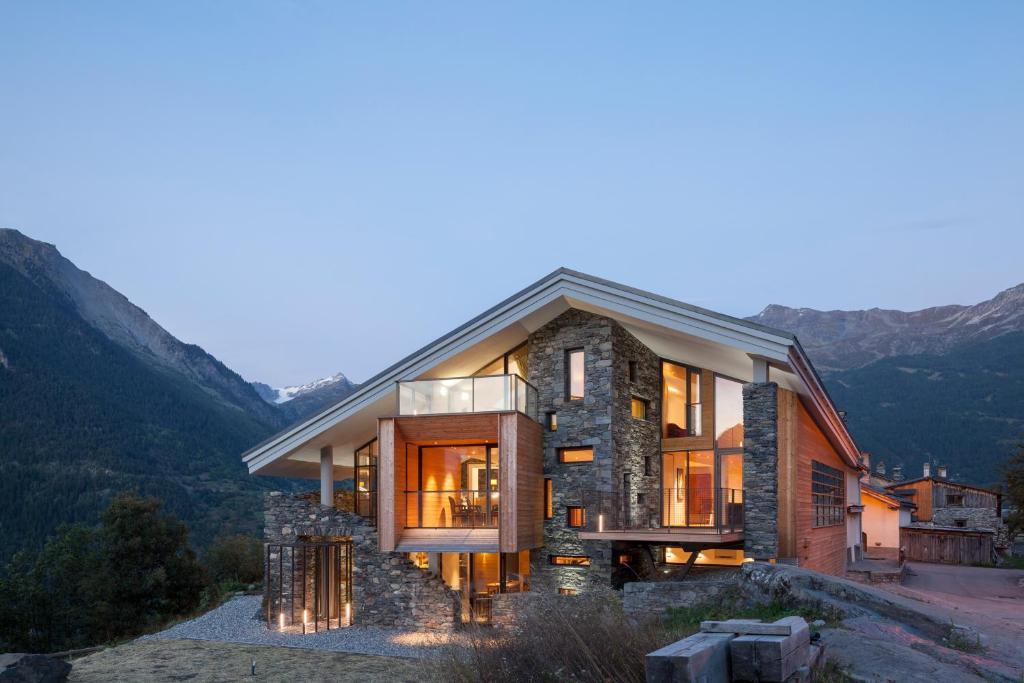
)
(298, 402)
(840, 340)
(96, 398)
(128, 326)
(943, 385)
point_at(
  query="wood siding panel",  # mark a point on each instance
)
(787, 440)
(521, 483)
(529, 483)
(450, 429)
(947, 547)
(823, 548)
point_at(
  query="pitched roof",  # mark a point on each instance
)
(575, 289)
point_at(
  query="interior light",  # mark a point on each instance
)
(280, 621)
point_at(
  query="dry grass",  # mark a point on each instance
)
(585, 638)
(588, 638)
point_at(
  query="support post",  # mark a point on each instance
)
(327, 476)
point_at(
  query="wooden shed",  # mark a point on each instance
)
(946, 545)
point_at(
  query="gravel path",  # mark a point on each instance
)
(237, 621)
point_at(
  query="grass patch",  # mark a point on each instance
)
(958, 640)
(832, 671)
(686, 620)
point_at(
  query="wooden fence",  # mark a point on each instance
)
(947, 546)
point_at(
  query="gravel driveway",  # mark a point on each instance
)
(238, 621)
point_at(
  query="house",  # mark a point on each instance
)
(579, 434)
(884, 513)
(952, 522)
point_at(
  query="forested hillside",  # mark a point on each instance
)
(82, 418)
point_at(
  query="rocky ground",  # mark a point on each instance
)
(209, 662)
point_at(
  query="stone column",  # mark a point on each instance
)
(760, 470)
(327, 476)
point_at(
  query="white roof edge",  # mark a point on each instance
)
(751, 337)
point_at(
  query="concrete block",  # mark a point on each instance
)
(748, 627)
(701, 658)
(771, 658)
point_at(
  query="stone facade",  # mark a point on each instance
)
(652, 597)
(760, 470)
(978, 519)
(388, 590)
(584, 422)
(627, 460)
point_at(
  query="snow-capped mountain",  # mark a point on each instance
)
(305, 399)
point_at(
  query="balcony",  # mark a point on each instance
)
(457, 509)
(669, 515)
(484, 394)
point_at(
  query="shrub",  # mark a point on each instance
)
(237, 558)
(88, 586)
(584, 638)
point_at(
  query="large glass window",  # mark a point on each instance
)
(690, 496)
(452, 486)
(680, 401)
(728, 413)
(575, 381)
(365, 483)
(826, 494)
(514, 362)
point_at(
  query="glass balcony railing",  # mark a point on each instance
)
(490, 393)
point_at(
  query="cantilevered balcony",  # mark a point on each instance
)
(669, 515)
(452, 395)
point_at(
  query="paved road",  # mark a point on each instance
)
(992, 593)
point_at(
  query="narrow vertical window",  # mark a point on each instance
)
(574, 375)
(632, 371)
(638, 407)
(549, 507)
(552, 421)
(680, 401)
(648, 466)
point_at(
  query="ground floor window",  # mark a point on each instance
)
(478, 577)
(827, 494)
(729, 557)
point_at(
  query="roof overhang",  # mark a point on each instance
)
(672, 329)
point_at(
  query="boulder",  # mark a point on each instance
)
(25, 668)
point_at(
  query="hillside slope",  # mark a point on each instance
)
(83, 417)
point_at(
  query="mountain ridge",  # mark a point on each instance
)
(844, 339)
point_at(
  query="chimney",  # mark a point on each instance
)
(941, 469)
(897, 473)
(865, 459)
(880, 468)
(927, 469)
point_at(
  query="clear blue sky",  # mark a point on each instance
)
(307, 187)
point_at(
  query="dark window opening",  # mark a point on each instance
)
(632, 371)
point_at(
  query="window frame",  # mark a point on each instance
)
(561, 454)
(567, 360)
(633, 401)
(687, 400)
(828, 495)
(569, 513)
(568, 561)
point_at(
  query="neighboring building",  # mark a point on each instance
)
(579, 434)
(952, 522)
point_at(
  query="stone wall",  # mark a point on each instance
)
(653, 597)
(388, 590)
(585, 422)
(982, 519)
(760, 470)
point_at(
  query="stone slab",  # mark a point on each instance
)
(701, 658)
(744, 627)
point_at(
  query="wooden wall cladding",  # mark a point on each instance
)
(819, 548)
